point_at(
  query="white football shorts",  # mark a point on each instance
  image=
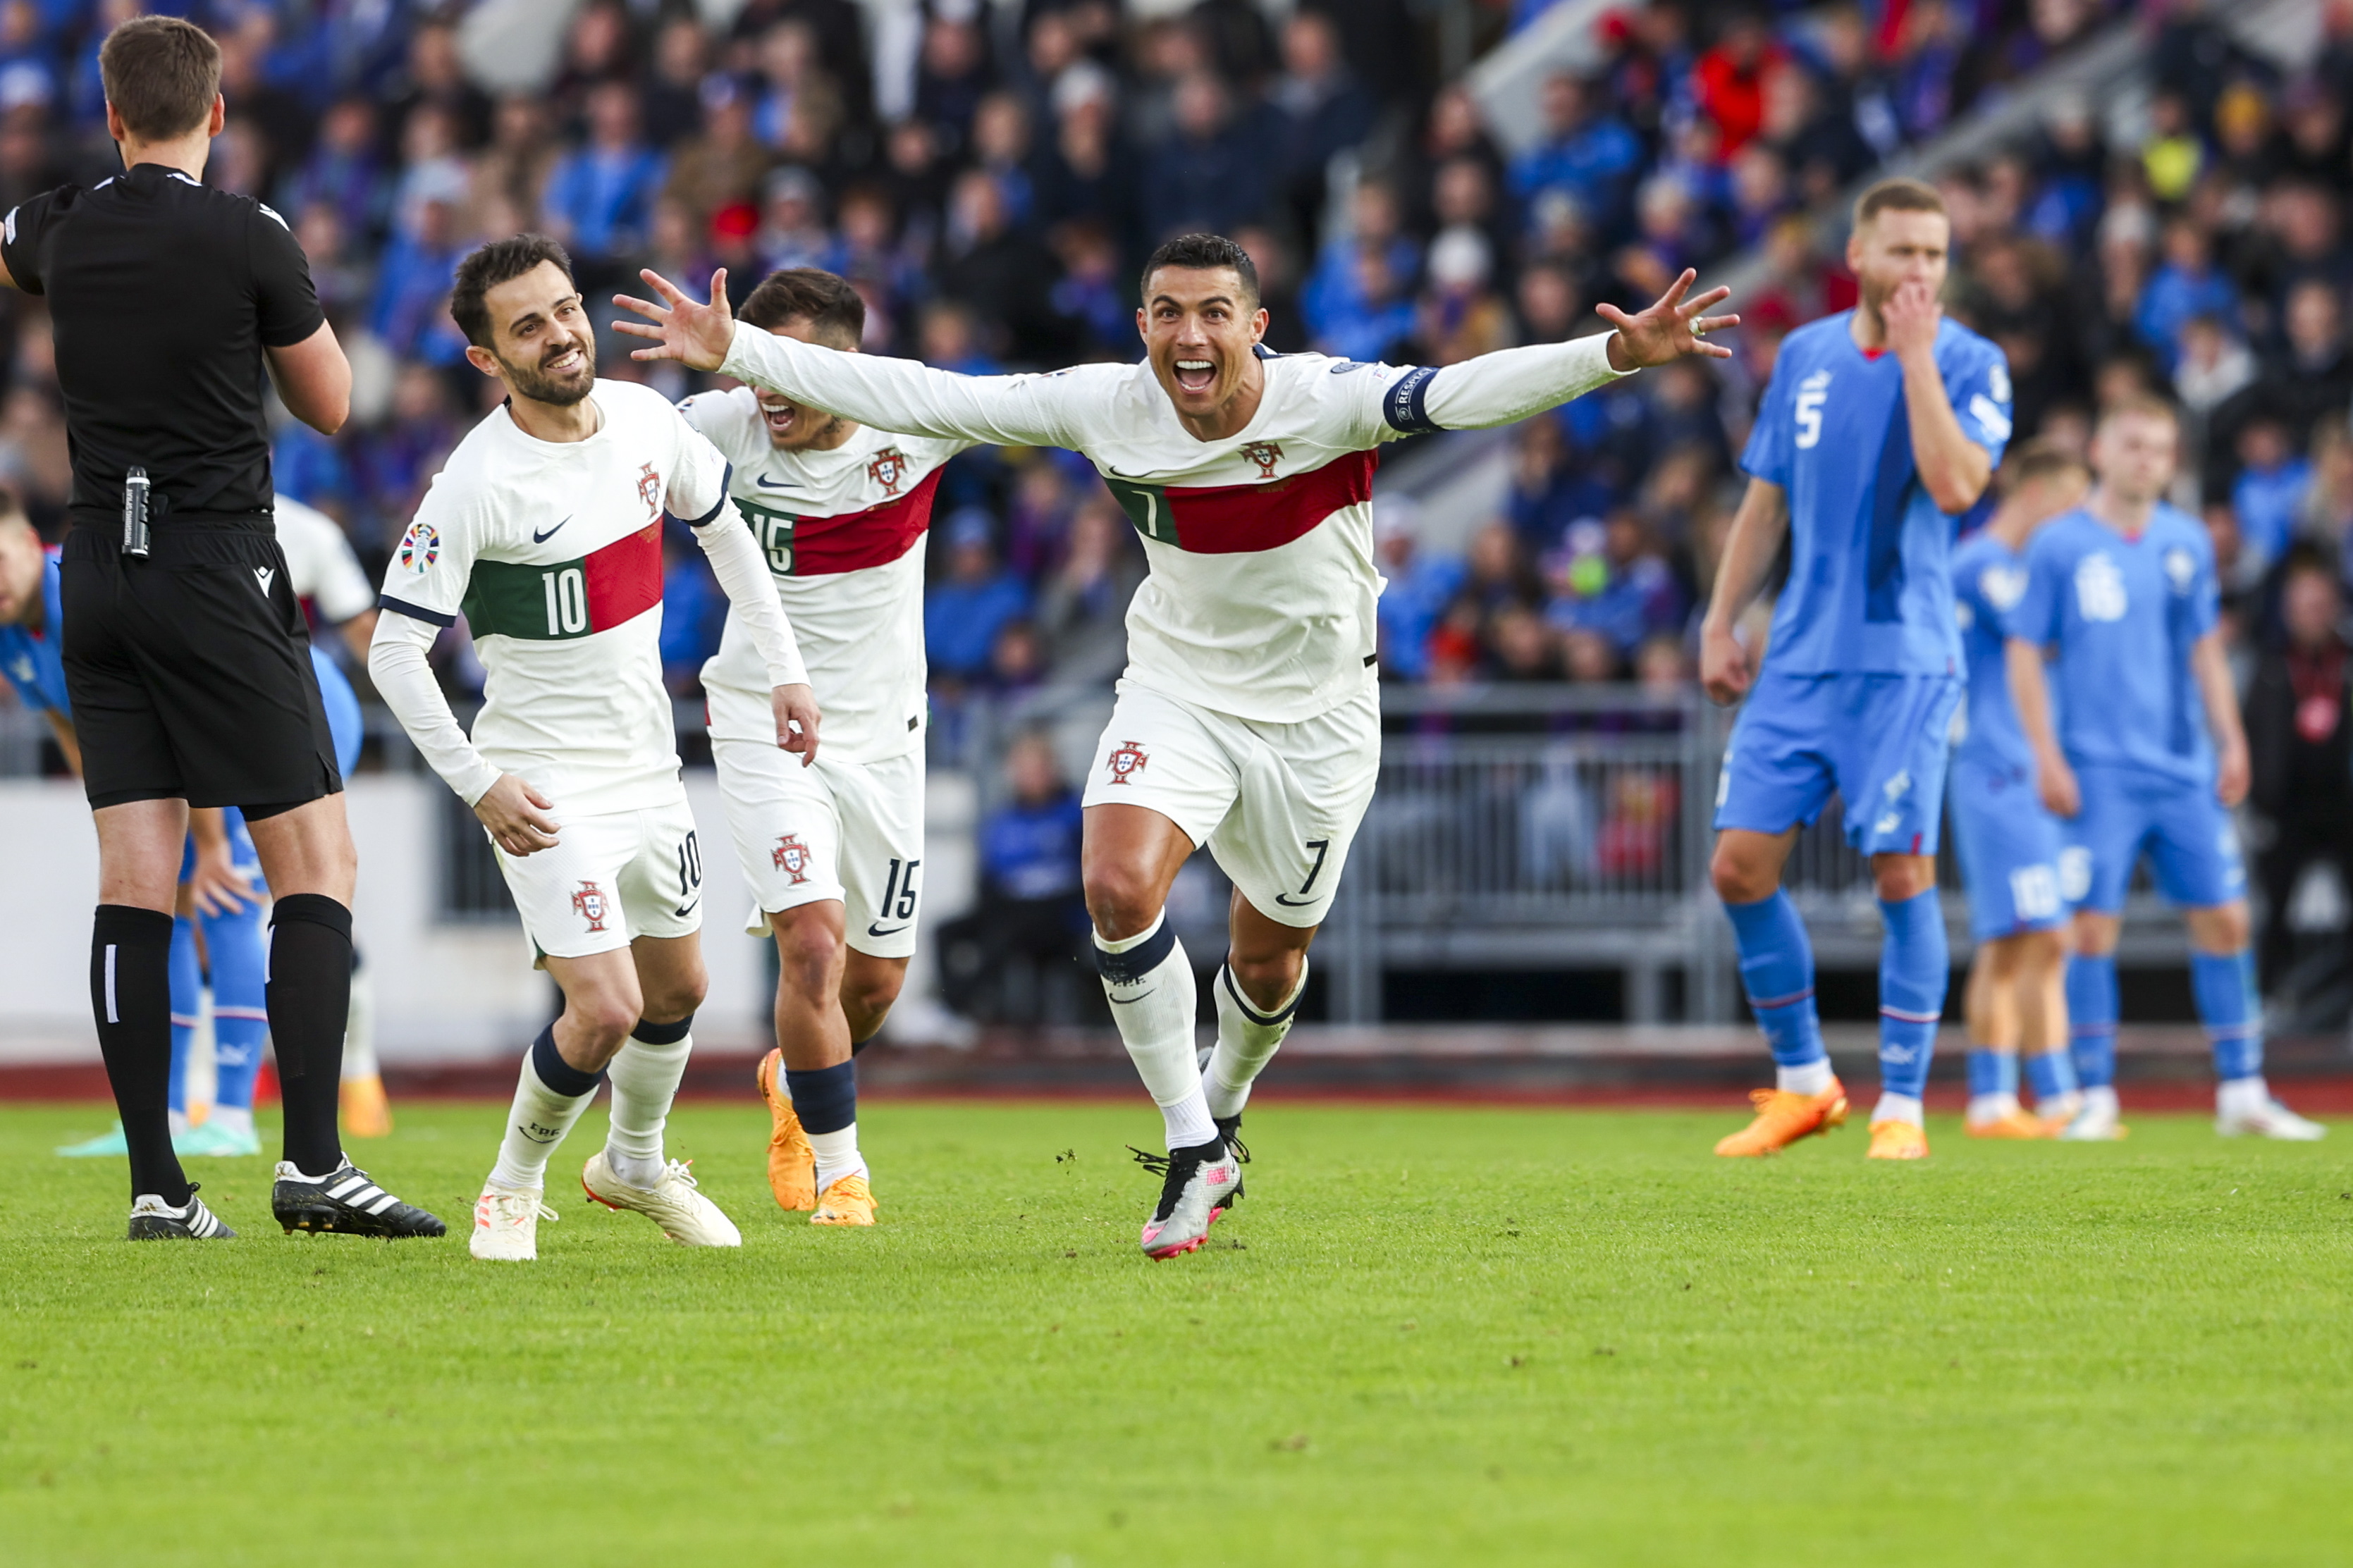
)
(608, 879)
(842, 830)
(1278, 804)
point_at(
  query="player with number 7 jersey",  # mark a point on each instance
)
(833, 852)
(1249, 719)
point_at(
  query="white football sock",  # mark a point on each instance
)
(837, 1155)
(1155, 1012)
(1813, 1078)
(1985, 1107)
(645, 1080)
(536, 1123)
(1899, 1108)
(236, 1119)
(2234, 1097)
(2102, 1097)
(1247, 1040)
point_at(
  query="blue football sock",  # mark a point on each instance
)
(2052, 1076)
(239, 956)
(2232, 1010)
(1914, 965)
(187, 977)
(1992, 1072)
(2092, 1019)
(1776, 969)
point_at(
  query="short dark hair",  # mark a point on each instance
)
(1900, 195)
(834, 311)
(2042, 457)
(1201, 250)
(162, 75)
(500, 261)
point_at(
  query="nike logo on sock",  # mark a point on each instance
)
(1129, 1001)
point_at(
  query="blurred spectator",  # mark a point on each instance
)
(1460, 316)
(1083, 608)
(723, 163)
(2301, 748)
(973, 601)
(1324, 106)
(1015, 958)
(1209, 174)
(1001, 273)
(1420, 584)
(600, 198)
(2269, 489)
(1587, 154)
(2187, 286)
(1729, 82)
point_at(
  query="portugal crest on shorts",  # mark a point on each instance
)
(589, 903)
(1265, 454)
(1126, 761)
(420, 547)
(649, 488)
(888, 469)
(792, 857)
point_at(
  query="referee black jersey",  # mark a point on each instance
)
(162, 294)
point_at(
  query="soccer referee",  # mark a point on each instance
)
(186, 658)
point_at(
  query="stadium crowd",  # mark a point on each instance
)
(991, 193)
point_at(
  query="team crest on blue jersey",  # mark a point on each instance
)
(2180, 570)
(420, 547)
(889, 468)
(2003, 586)
(2099, 589)
(1125, 761)
(792, 857)
(1266, 455)
(589, 903)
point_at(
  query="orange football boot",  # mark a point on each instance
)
(1897, 1141)
(792, 1163)
(367, 1113)
(1783, 1117)
(848, 1201)
(2014, 1124)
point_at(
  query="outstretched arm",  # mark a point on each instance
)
(1510, 385)
(887, 394)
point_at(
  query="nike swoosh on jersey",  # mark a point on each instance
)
(543, 538)
(764, 482)
(876, 930)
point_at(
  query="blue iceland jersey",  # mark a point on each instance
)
(2122, 614)
(1989, 581)
(35, 661)
(1869, 592)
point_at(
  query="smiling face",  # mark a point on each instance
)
(1201, 327)
(541, 345)
(791, 427)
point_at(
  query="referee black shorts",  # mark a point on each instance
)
(190, 670)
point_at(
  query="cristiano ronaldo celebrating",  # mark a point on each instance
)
(1249, 719)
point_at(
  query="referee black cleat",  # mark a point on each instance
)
(346, 1203)
(153, 1219)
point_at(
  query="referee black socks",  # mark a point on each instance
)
(310, 1001)
(131, 997)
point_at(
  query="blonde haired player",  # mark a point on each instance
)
(1249, 715)
(544, 529)
(833, 852)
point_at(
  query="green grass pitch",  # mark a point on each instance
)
(1425, 1337)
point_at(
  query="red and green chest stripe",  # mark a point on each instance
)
(799, 545)
(1235, 520)
(554, 601)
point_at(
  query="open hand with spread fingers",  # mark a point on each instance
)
(696, 335)
(1668, 329)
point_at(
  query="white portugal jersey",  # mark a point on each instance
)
(843, 534)
(552, 552)
(319, 562)
(1261, 593)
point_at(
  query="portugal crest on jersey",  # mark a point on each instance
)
(649, 488)
(1265, 454)
(1126, 761)
(889, 468)
(589, 903)
(792, 857)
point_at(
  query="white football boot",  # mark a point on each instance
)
(1194, 1191)
(2267, 1118)
(2096, 1122)
(685, 1216)
(506, 1225)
